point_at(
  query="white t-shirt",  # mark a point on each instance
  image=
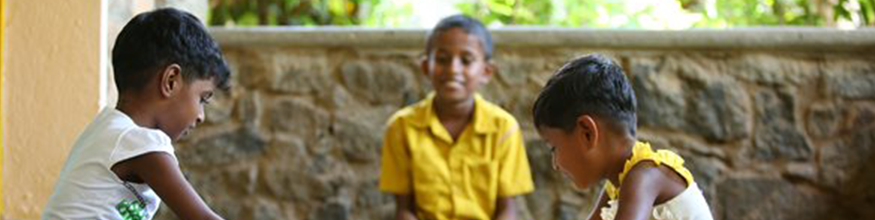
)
(87, 188)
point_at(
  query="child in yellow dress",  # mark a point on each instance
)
(586, 113)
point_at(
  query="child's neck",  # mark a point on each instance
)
(140, 115)
(454, 116)
(619, 157)
(454, 111)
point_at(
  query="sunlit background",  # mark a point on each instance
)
(622, 14)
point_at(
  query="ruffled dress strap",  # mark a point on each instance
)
(642, 152)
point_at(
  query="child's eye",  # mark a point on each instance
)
(442, 59)
(206, 97)
(467, 60)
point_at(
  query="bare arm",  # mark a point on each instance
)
(505, 209)
(405, 207)
(644, 186)
(160, 172)
(596, 213)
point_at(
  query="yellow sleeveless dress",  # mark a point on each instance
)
(688, 205)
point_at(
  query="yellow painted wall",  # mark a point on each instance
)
(51, 90)
(2, 26)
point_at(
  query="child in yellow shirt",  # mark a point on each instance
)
(455, 155)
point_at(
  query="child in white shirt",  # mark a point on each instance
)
(123, 165)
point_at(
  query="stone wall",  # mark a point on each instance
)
(774, 124)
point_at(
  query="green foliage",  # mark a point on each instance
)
(519, 12)
(865, 14)
(287, 12)
(637, 14)
(387, 15)
(766, 13)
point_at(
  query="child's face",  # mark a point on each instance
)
(573, 155)
(186, 108)
(457, 66)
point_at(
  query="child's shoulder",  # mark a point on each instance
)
(120, 134)
(647, 162)
(124, 130)
(414, 112)
(112, 127)
(642, 151)
(495, 113)
(145, 136)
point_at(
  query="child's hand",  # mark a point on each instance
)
(404, 208)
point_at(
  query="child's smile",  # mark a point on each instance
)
(453, 85)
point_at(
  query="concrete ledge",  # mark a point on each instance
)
(808, 39)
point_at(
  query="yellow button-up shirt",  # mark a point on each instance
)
(459, 179)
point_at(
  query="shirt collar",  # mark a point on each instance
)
(483, 121)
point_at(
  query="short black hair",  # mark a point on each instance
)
(155, 39)
(469, 25)
(592, 85)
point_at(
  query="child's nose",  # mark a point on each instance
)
(457, 66)
(555, 163)
(200, 117)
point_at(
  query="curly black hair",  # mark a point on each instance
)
(592, 85)
(153, 40)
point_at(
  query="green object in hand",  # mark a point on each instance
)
(131, 210)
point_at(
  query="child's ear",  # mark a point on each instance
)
(587, 131)
(424, 64)
(171, 80)
(489, 70)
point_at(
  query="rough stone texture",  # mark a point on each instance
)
(303, 74)
(764, 198)
(660, 95)
(382, 82)
(853, 80)
(777, 136)
(226, 148)
(684, 96)
(824, 120)
(847, 166)
(764, 69)
(718, 110)
(768, 134)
